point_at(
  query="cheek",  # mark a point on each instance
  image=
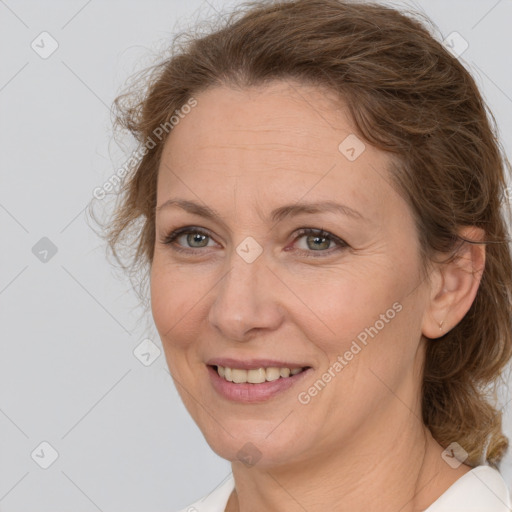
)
(342, 302)
(365, 316)
(175, 303)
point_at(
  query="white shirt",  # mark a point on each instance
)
(480, 490)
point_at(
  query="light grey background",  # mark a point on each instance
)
(68, 375)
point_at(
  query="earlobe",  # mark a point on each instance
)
(454, 291)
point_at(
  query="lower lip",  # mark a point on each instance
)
(251, 393)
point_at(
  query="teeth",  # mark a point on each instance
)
(256, 376)
(239, 376)
(284, 372)
(273, 373)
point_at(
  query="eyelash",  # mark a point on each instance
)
(320, 233)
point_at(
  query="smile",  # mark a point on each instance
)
(256, 384)
(257, 375)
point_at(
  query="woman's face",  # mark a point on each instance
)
(245, 288)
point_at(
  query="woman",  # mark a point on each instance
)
(320, 216)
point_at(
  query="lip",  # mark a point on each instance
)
(253, 364)
(253, 393)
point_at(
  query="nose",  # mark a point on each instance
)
(246, 300)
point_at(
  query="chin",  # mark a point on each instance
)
(256, 443)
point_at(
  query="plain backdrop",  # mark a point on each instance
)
(115, 434)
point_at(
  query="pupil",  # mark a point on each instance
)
(196, 238)
(316, 239)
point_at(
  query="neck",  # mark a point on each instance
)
(399, 469)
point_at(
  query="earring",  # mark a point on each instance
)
(441, 325)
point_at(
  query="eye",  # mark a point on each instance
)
(191, 238)
(320, 241)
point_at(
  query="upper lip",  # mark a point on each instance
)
(252, 364)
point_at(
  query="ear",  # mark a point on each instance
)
(454, 285)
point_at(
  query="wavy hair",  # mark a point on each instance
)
(407, 95)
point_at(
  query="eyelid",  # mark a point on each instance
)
(321, 233)
(169, 238)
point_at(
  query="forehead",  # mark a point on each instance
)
(281, 139)
(279, 115)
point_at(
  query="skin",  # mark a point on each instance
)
(360, 441)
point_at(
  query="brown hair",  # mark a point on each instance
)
(408, 96)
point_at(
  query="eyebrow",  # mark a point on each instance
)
(276, 215)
